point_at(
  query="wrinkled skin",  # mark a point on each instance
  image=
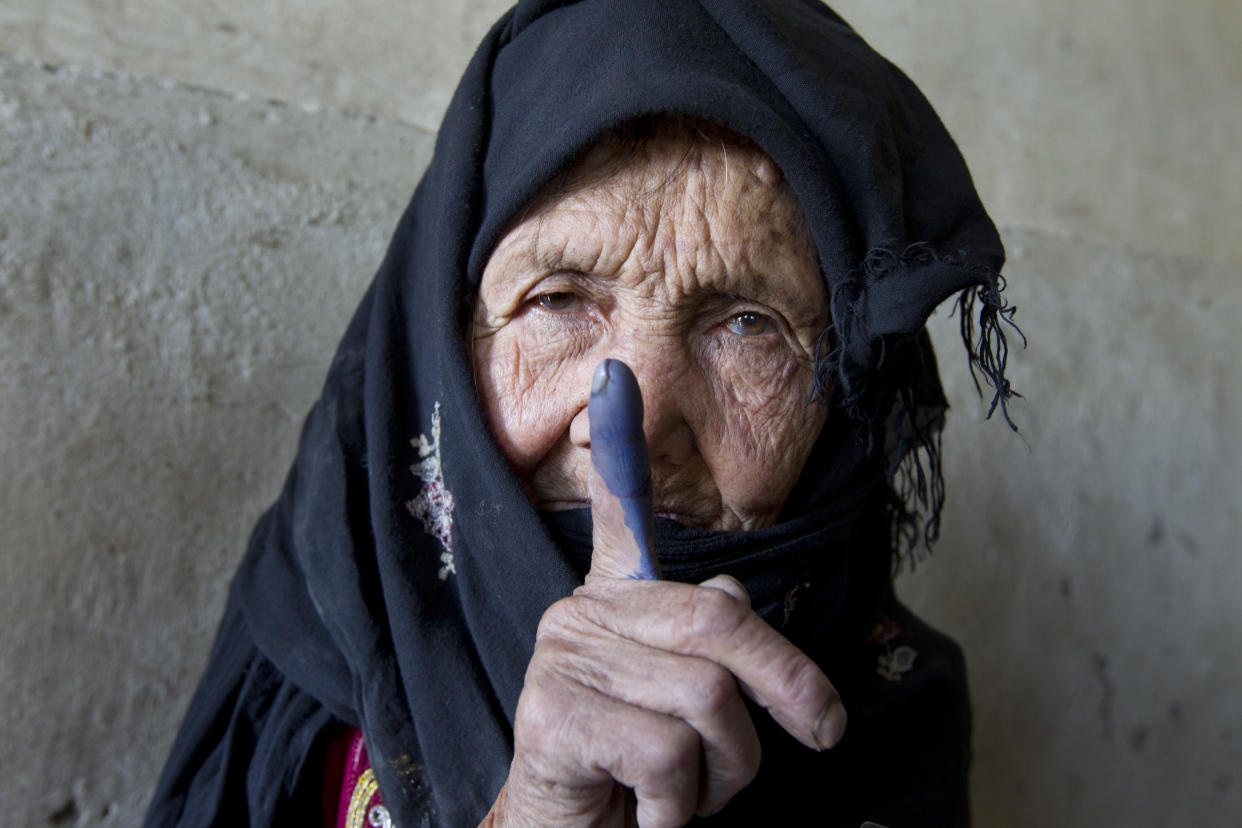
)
(697, 271)
(692, 263)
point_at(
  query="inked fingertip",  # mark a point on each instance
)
(600, 379)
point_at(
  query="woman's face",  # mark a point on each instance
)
(694, 265)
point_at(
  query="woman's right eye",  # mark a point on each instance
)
(751, 323)
(557, 301)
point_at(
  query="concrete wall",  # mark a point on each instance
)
(193, 197)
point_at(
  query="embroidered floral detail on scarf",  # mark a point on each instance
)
(434, 503)
(894, 662)
(884, 631)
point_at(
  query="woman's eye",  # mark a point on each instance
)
(750, 323)
(557, 301)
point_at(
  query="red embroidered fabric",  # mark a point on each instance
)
(351, 794)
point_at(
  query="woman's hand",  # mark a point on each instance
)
(635, 686)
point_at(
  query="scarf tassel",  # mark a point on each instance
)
(988, 351)
(913, 426)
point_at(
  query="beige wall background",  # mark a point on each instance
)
(193, 196)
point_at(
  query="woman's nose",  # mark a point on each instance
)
(670, 439)
(668, 399)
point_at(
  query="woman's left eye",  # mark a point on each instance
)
(750, 323)
(557, 301)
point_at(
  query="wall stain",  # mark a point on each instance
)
(1107, 693)
(65, 814)
(1155, 535)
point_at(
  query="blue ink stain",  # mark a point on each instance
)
(619, 453)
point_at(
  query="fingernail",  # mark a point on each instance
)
(829, 725)
(601, 377)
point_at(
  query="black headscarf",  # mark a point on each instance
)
(397, 583)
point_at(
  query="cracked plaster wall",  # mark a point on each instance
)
(193, 198)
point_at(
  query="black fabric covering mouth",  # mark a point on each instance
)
(398, 581)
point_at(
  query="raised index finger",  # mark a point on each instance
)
(620, 482)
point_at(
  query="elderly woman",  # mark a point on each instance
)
(754, 213)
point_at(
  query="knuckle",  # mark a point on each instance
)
(668, 814)
(669, 759)
(663, 814)
(713, 613)
(730, 585)
(560, 619)
(539, 722)
(717, 690)
(726, 781)
(547, 663)
(802, 683)
(748, 762)
(668, 781)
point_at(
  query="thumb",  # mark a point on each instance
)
(620, 481)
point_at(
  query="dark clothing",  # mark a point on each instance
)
(397, 583)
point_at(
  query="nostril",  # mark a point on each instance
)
(672, 444)
(580, 429)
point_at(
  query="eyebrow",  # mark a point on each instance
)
(552, 257)
(550, 254)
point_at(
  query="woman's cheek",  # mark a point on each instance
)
(522, 380)
(757, 382)
(764, 422)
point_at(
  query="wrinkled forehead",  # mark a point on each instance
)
(643, 158)
(657, 151)
(653, 161)
(702, 209)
